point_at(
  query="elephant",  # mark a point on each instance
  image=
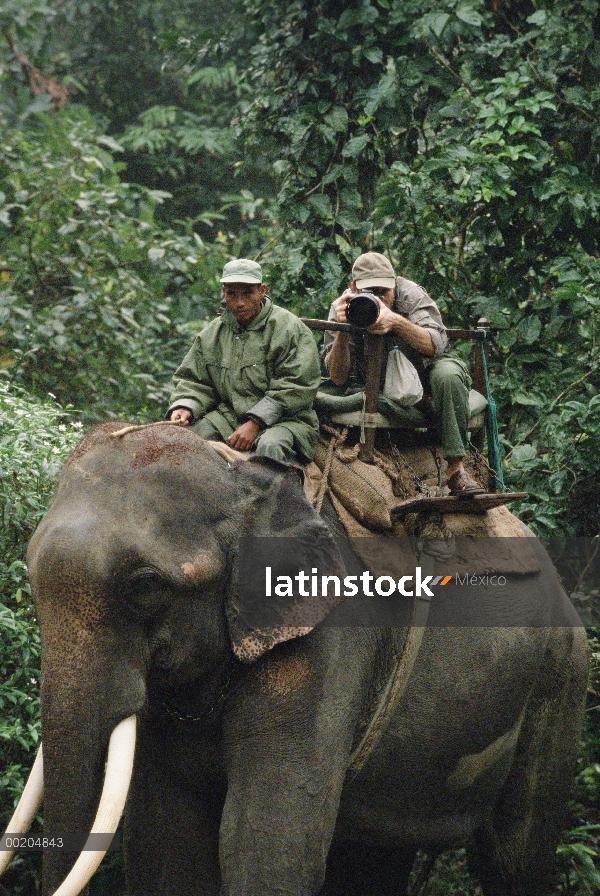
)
(232, 744)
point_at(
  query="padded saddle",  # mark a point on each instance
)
(346, 410)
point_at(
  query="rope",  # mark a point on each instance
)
(392, 469)
(494, 452)
(404, 664)
(118, 433)
(392, 694)
(386, 465)
(331, 430)
(337, 440)
(398, 680)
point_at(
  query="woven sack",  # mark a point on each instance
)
(363, 489)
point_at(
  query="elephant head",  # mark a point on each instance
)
(133, 575)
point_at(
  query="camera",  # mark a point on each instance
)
(362, 310)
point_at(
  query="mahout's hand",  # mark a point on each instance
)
(183, 415)
(244, 436)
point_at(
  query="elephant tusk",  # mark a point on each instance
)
(30, 802)
(119, 768)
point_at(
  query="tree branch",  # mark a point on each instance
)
(551, 408)
(445, 64)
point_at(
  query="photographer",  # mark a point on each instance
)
(410, 320)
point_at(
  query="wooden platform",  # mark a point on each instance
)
(454, 504)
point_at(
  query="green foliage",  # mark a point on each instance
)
(23, 27)
(25, 20)
(90, 285)
(155, 79)
(320, 86)
(35, 439)
(167, 126)
(106, 49)
(579, 853)
(191, 147)
(498, 208)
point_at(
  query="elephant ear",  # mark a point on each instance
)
(280, 536)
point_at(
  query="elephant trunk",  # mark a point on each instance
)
(89, 702)
(94, 666)
(87, 772)
(119, 768)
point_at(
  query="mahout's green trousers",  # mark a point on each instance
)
(276, 442)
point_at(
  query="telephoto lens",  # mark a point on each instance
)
(362, 309)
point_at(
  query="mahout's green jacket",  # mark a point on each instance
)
(269, 369)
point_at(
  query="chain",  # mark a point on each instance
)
(180, 716)
(398, 458)
(481, 459)
(184, 717)
(438, 464)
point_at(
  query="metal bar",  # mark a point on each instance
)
(478, 437)
(478, 374)
(466, 334)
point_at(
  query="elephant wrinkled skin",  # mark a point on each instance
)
(241, 783)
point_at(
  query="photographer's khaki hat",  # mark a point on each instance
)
(373, 269)
(242, 270)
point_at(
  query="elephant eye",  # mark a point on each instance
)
(144, 592)
(144, 579)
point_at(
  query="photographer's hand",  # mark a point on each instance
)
(417, 337)
(385, 322)
(340, 304)
(338, 359)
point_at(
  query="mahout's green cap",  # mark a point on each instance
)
(373, 269)
(242, 270)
